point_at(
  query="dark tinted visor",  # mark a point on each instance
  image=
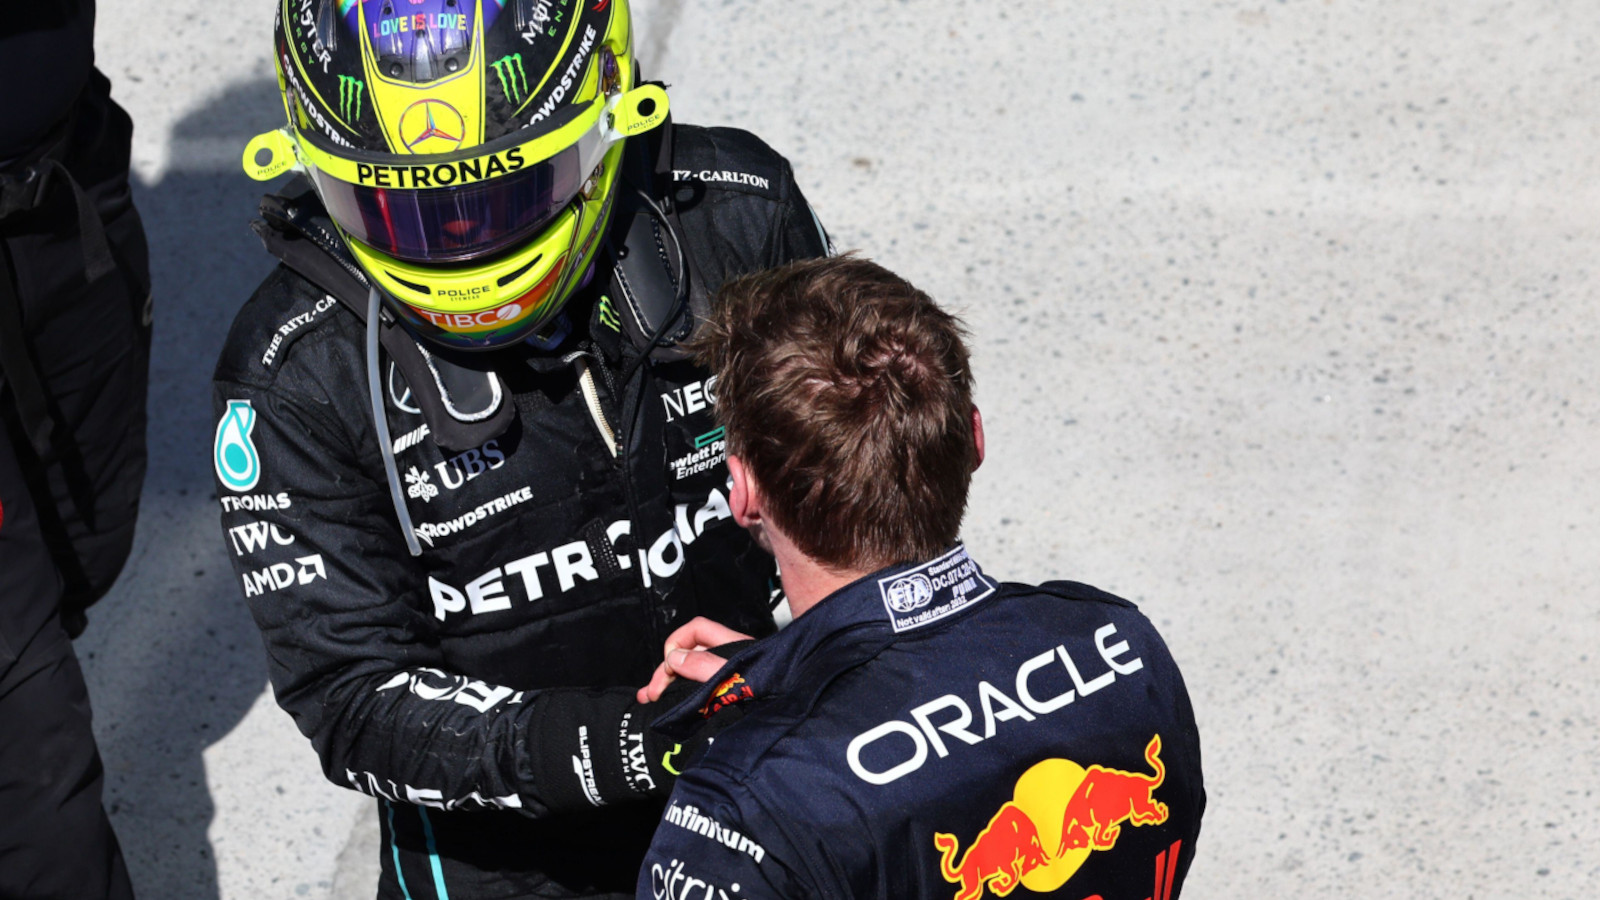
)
(448, 224)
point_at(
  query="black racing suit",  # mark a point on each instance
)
(551, 572)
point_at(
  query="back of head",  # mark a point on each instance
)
(847, 394)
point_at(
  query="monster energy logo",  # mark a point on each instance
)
(350, 91)
(513, 81)
(608, 315)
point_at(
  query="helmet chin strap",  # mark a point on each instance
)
(381, 423)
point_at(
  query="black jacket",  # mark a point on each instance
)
(929, 732)
(547, 563)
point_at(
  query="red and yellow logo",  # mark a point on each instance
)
(1059, 813)
(727, 694)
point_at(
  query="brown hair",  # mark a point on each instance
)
(847, 394)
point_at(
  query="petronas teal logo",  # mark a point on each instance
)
(238, 465)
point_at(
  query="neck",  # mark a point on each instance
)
(805, 581)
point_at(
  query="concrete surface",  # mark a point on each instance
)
(1284, 325)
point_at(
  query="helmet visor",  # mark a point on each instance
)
(424, 216)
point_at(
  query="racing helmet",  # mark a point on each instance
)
(467, 151)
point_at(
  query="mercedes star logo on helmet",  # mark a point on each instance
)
(432, 126)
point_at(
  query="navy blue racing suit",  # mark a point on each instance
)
(930, 732)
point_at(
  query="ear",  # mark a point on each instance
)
(744, 500)
(977, 435)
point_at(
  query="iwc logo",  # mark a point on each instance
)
(909, 593)
(432, 126)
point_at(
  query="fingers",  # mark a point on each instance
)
(659, 679)
(686, 656)
(700, 632)
(695, 665)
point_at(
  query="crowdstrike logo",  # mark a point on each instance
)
(567, 77)
(427, 531)
(307, 106)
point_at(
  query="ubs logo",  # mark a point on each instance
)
(909, 593)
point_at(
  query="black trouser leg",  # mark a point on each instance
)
(55, 838)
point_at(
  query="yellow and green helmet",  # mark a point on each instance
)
(467, 150)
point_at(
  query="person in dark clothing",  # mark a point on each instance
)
(74, 361)
(921, 729)
(469, 481)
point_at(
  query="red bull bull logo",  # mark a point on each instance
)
(726, 694)
(1108, 797)
(1006, 850)
(1059, 813)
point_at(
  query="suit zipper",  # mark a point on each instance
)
(591, 398)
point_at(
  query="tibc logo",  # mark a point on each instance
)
(238, 466)
(1059, 813)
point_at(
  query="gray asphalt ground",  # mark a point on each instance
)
(1284, 326)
